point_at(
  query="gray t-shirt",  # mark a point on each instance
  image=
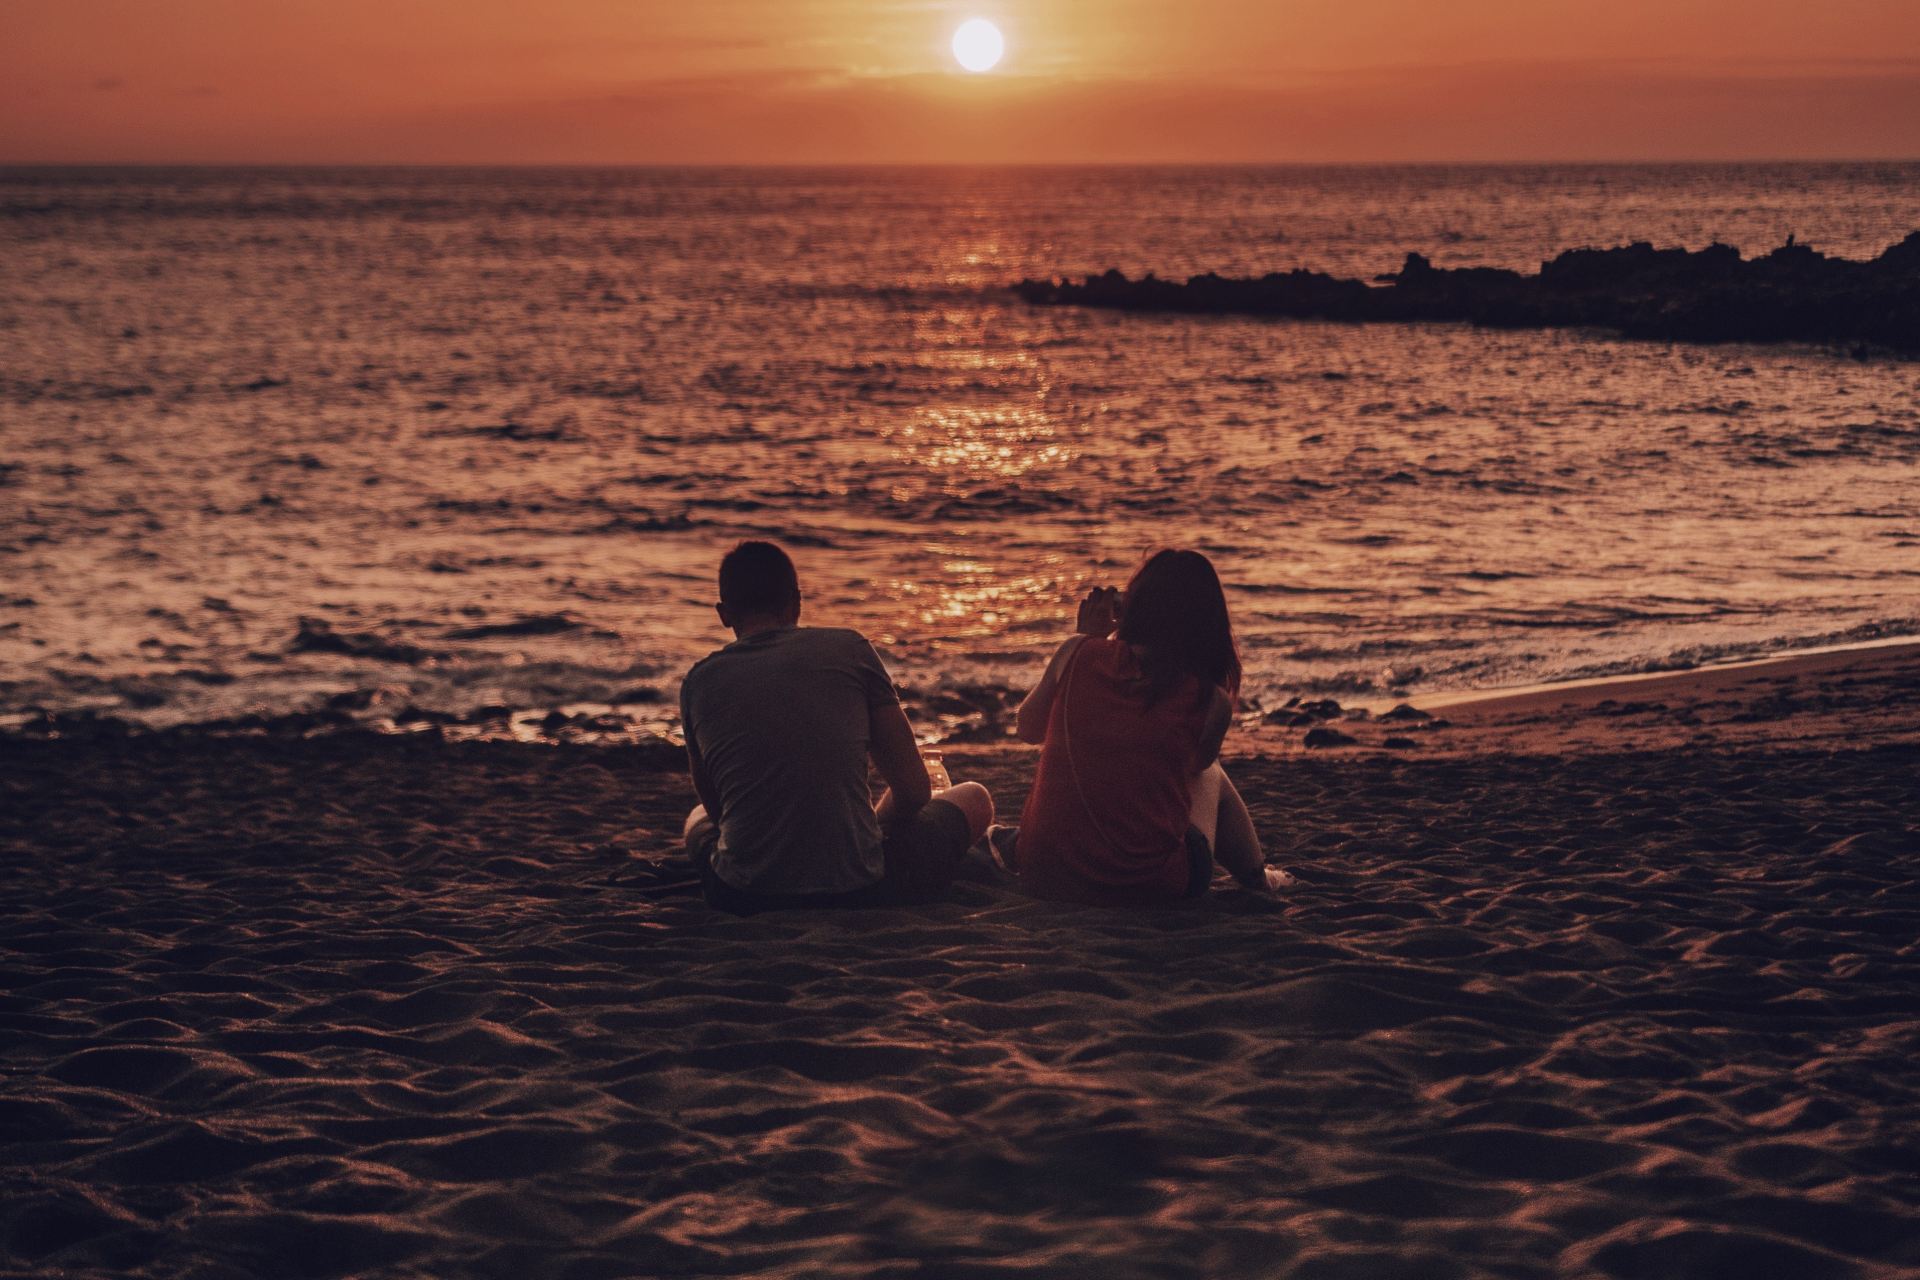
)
(780, 721)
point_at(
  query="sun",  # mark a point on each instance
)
(977, 45)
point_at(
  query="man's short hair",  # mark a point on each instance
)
(757, 577)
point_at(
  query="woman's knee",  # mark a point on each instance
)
(973, 800)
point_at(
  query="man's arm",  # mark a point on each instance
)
(897, 757)
(702, 784)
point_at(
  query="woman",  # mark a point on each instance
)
(1130, 806)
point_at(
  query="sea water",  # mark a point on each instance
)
(426, 444)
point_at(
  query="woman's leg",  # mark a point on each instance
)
(973, 800)
(1221, 816)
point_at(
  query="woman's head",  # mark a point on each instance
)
(1175, 613)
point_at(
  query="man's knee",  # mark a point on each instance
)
(696, 839)
(976, 802)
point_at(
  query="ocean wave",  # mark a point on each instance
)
(592, 384)
(1690, 657)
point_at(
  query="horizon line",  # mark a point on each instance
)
(801, 166)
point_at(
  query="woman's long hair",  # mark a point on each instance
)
(1176, 613)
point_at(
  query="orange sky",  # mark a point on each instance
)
(721, 81)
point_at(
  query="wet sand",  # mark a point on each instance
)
(1587, 992)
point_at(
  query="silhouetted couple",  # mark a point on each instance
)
(1129, 806)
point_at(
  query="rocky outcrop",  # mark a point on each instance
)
(1793, 294)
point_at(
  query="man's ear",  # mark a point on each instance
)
(793, 615)
(726, 615)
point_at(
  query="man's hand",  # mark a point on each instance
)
(1099, 612)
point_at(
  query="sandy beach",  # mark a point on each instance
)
(1614, 981)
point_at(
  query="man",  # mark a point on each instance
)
(780, 726)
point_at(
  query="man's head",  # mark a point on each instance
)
(759, 589)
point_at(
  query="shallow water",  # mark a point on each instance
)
(490, 431)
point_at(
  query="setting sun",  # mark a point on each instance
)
(978, 44)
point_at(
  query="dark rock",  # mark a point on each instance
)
(540, 624)
(142, 695)
(1297, 713)
(1793, 294)
(989, 729)
(423, 715)
(1404, 714)
(947, 704)
(638, 693)
(316, 635)
(84, 726)
(1401, 744)
(519, 431)
(1329, 738)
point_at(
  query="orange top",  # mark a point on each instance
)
(1106, 822)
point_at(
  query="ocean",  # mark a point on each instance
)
(463, 447)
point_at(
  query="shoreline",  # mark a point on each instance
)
(1786, 658)
(1861, 695)
(1555, 715)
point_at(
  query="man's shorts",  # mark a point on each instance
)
(921, 854)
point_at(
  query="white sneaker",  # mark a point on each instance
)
(1276, 878)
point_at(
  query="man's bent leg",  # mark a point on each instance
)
(923, 851)
(697, 838)
(973, 800)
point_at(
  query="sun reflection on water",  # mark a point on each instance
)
(967, 600)
(966, 446)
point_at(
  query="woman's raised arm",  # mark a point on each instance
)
(1030, 722)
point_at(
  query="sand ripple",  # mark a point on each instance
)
(394, 1007)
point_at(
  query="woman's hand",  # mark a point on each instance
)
(1099, 612)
